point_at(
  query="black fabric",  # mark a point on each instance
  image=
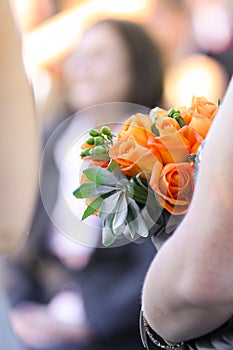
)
(219, 339)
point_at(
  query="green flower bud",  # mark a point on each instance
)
(106, 130)
(85, 152)
(94, 132)
(171, 112)
(98, 140)
(99, 150)
(176, 115)
(90, 141)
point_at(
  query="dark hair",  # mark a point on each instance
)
(146, 62)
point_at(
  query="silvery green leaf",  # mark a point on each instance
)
(100, 176)
(131, 219)
(139, 221)
(91, 190)
(118, 231)
(120, 213)
(143, 228)
(109, 204)
(91, 209)
(108, 236)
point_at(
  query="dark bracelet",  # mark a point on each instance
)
(145, 332)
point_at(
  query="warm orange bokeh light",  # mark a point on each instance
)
(197, 75)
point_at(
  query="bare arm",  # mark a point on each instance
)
(19, 148)
(188, 290)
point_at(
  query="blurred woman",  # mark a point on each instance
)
(76, 297)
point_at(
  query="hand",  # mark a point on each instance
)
(36, 327)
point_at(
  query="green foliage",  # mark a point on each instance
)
(118, 201)
(92, 208)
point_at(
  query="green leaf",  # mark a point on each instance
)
(100, 176)
(139, 223)
(108, 237)
(91, 190)
(142, 183)
(109, 205)
(91, 209)
(84, 190)
(120, 213)
(139, 194)
(114, 222)
(131, 219)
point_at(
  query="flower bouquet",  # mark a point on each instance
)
(140, 179)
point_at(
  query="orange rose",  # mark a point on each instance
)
(139, 126)
(173, 148)
(200, 115)
(166, 125)
(132, 157)
(194, 138)
(173, 185)
(201, 124)
(175, 143)
(204, 107)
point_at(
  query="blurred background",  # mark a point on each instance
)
(195, 38)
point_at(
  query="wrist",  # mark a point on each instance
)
(147, 332)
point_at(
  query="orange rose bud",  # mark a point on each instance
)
(139, 126)
(173, 185)
(132, 157)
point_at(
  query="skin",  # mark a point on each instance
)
(19, 145)
(188, 290)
